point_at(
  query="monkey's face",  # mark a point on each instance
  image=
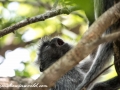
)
(51, 51)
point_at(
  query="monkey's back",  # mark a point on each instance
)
(69, 81)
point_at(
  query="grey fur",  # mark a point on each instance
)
(49, 52)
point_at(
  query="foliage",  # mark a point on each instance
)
(70, 27)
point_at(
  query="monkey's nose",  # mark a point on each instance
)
(59, 42)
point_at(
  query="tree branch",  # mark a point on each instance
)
(82, 49)
(109, 37)
(41, 17)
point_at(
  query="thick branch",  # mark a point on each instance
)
(82, 49)
(41, 17)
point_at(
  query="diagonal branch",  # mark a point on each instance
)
(41, 17)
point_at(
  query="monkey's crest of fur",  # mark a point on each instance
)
(45, 40)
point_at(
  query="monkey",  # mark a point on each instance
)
(50, 50)
(103, 53)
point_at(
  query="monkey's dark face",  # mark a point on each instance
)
(51, 51)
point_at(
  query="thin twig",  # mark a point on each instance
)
(41, 17)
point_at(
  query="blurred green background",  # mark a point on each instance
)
(18, 50)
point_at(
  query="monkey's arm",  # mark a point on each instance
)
(102, 56)
(50, 51)
(104, 51)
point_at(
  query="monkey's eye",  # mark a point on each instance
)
(60, 42)
(47, 46)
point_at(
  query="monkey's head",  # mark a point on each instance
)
(50, 51)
